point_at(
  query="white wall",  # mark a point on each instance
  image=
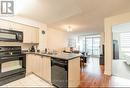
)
(102, 37)
(56, 39)
(109, 22)
(42, 37)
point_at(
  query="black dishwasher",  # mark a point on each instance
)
(59, 72)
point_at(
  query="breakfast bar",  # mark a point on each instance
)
(60, 70)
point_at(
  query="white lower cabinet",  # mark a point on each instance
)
(29, 64)
(46, 69)
(36, 65)
(39, 65)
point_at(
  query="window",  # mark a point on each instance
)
(125, 43)
(90, 44)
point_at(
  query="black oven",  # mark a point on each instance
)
(11, 35)
(12, 64)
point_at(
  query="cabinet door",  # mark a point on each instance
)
(41, 67)
(35, 36)
(74, 72)
(29, 63)
(26, 36)
(37, 63)
(47, 69)
(31, 36)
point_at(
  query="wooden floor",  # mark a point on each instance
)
(29, 81)
(92, 76)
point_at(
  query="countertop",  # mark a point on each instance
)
(64, 56)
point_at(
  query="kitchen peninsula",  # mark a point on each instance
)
(61, 70)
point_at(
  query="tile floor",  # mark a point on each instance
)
(120, 68)
(29, 81)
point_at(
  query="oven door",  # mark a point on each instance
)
(12, 65)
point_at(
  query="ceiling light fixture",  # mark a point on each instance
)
(69, 28)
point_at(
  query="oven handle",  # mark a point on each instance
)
(3, 58)
(21, 56)
(12, 58)
(7, 59)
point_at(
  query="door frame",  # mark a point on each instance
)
(108, 23)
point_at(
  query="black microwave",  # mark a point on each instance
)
(11, 35)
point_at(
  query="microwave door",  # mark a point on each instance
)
(9, 37)
(19, 37)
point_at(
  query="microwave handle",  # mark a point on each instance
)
(16, 36)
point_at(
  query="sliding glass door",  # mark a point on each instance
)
(96, 46)
(90, 45)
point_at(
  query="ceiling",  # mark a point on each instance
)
(81, 15)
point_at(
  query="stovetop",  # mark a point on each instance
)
(10, 48)
(10, 51)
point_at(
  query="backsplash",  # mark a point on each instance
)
(24, 46)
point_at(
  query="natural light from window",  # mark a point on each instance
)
(125, 43)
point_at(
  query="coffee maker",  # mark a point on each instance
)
(32, 49)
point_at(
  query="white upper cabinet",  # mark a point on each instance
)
(35, 36)
(30, 34)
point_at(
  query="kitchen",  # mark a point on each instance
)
(59, 43)
(20, 57)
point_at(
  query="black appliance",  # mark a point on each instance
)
(115, 49)
(59, 72)
(32, 49)
(11, 35)
(102, 56)
(12, 64)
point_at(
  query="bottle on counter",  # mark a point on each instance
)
(45, 50)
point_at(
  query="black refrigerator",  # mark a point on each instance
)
(102, 61)
(115, 49)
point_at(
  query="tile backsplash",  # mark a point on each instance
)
(24, 46)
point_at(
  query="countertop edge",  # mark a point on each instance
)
(52, 56)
